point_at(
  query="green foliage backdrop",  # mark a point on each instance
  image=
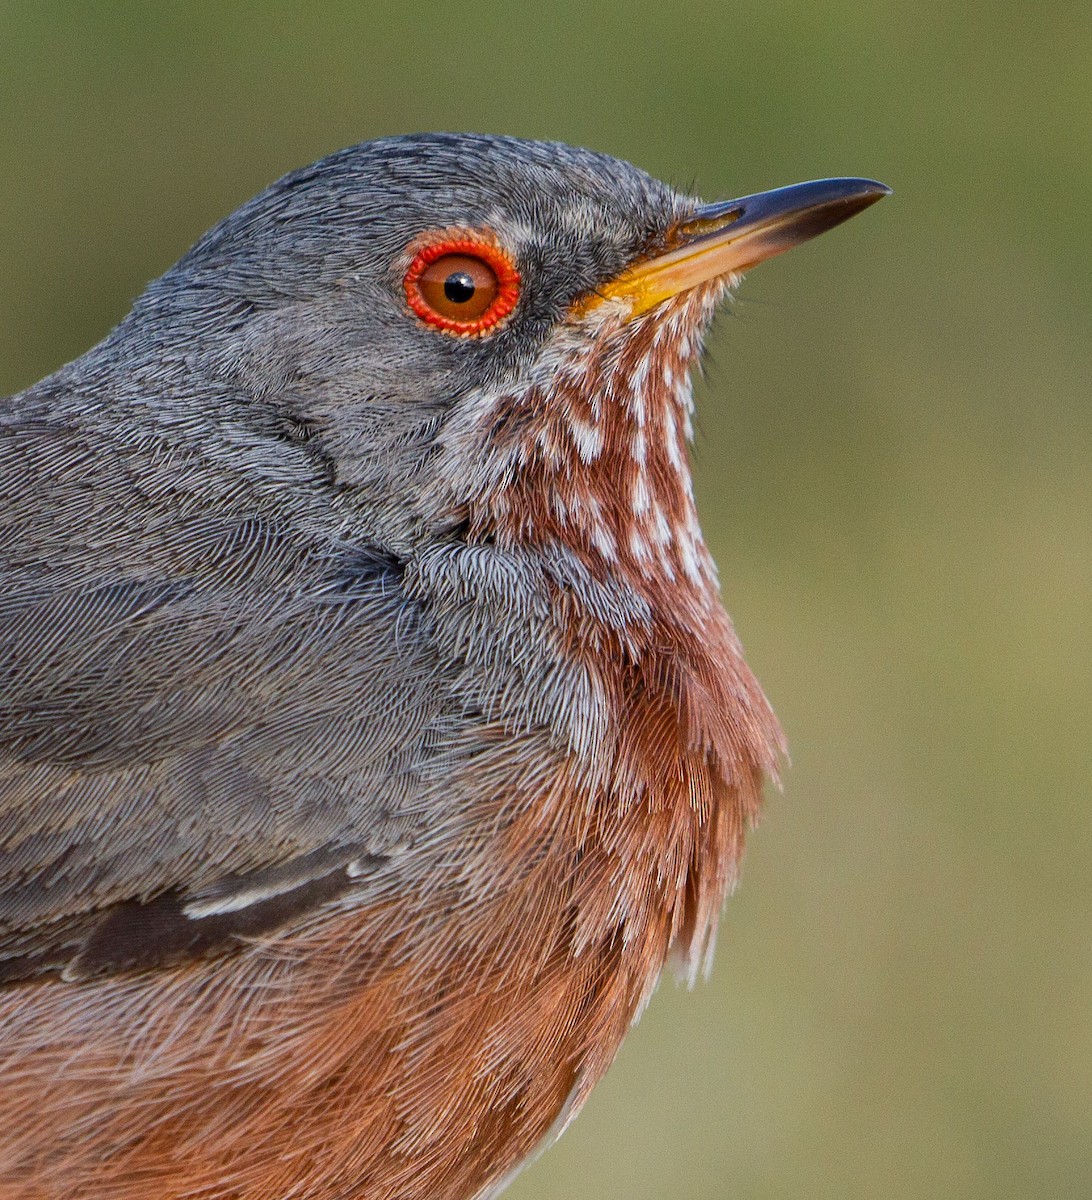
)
(894, 471)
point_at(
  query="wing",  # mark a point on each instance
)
(210, 712)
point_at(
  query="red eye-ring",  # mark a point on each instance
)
(461, 283)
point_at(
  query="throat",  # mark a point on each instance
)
(593, 455)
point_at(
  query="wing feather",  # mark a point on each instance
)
(208, 711)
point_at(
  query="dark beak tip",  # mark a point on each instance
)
(870, 193)
(846, 196)
(872, 190)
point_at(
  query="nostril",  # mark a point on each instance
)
(703, 225)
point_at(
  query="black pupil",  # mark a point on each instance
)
(459, 287)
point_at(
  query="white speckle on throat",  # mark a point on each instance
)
(638, 545)
(588, 439)
(688, 549)
(661, 530)
(594, 383)
(603, 541)
(548, 445)
(638, 380)
(671, 441)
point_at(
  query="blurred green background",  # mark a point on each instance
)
(895, 471)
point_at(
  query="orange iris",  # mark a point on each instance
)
(461, 284)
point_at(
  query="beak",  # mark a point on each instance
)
(729, 237)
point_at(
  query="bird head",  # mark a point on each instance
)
(472, 334)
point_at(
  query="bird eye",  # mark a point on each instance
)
(462, 285)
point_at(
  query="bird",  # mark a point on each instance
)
(372, 733)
